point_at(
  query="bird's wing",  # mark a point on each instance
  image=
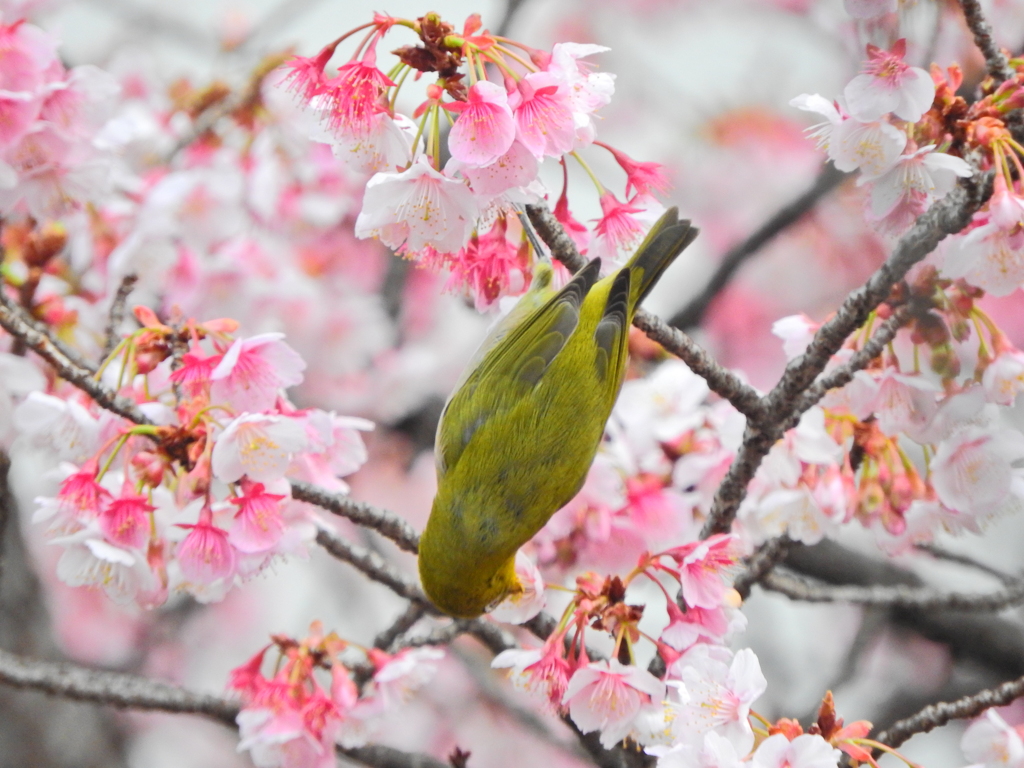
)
(511, 368)
(612, 332)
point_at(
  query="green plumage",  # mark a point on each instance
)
(519, 434)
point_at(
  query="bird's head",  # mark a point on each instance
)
(468, 594)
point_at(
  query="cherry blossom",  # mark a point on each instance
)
(873, 147)
(257, 445)
(417, 208)
(973, 471)
(720, 695)
(991, 254)
(889, 85)
(485, 129)
(991, 743)
(253, 371)
(521, 607)
(805, 751)
(1003, 379)
(542, 104)
(607, 696)
(909, 187)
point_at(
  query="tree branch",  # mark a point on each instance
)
(995, 59)
(936, 715)
(919, 598)
(371, 565)
(17, 323)
(721, 380)
(693, 313)
(760, 564)
(116, 314)
(114, 688)
(381, 520)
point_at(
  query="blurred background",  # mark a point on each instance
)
(702, 87)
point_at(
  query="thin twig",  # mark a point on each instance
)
(721, 380)
(917, 598)
(13, 320)
(372, 565)
(117, 312)
(947, 216)
(760, 564)
(995, 59)
(405, 621)
(936, 715)
(693, 313)
(861, 359)
(384, 522)
(941, 553)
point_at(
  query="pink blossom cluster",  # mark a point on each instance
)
(871, 130)
(914, 444)
(463, 215)
(198, 500)
(293, 720)
(51, 155)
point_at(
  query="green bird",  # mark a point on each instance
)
(519, 433)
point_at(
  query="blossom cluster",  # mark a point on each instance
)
(198, 499)
(292, 720)
(462, 215)
(879, 130)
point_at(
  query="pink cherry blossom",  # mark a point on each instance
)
(543, 671)
(822, 133)
(195, 372)
(805, 751)
(258, 525)
(720, 694)
(873, 147)
(26, 53)
(253, 371)
(588, 91)
(990, 743)
(283, 740)
(973, 472)
(907, 189)
(125, 519)
(890, 85)
(491, 266)
(643, 178)
(607, 696)
(206, 555)
(516, 168)
(485, 128)
(1003, 379)
(544, 117)
(384, 145)
(990, 255)
(305, 76)
(902, 402)
(401, 675)
(257, 445)
(80, 494)
(623, 226)
(353, 96)
(708, 625)
(796, 332)
(523, 606)
(705, 568)
(416, 209)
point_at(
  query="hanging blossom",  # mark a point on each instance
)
(200, 500)
(294, 718)
(445, 217)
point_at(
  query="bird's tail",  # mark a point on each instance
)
(666, 240)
